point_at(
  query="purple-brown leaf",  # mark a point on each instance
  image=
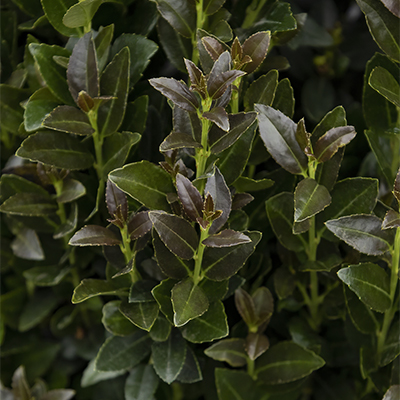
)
(226, 238)
(139, 224)
(116, 199)
(190, 197)
(219, 116)
(213, 47)
(94, 235)
(256, 47)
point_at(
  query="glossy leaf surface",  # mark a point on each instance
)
(385, 84)
(228, 350)
(256, 47)
(262, 90)
(95, 287)
(141, 383)
(141, 314)
(226, 238)
(94, 235)
(190, 197)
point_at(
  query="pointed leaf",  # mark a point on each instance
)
(262, 90)
(234, 384)
(81, 14)
(244, 184)
(363, 232)
(70, 224)
(212, 6)
(29, 204)
(221, 264)
(213, 46)
(123, 353)
(96, 287)
(256, 344)
(219, 116)
(278, 133)
(187, 122)
(94, 235)
(256, 47)
(190, 197)
(142, 314)
(116, 199)
(26, 245)
(309, 199)
(370, 283)
(91, 376)
(178, 140)
(140, 291)
(139, 224)
(57, 149)
(245, 306)
(284, 98)
(114, 321)
(102, 42)
(191, 371)
(162, 294)
(229, 350)
(195, 74)
(239, 123)
(226, 238)
(71, 190)
(176, 233)
(141, 383)
(212, 325)
(145, 182)
(391, 220)
(177, 92)
(328, 144)
(385, 84)
(241, 200)
(188, 301)
(286, 362)
(264, 304)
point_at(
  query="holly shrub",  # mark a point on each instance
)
(174, 225)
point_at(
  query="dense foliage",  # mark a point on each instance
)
(174, 225)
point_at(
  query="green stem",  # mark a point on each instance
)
(235, 96)
(129, 253)
(252, 12)
(250, 367)
(203, 153)
(199, 256)
(199, 25)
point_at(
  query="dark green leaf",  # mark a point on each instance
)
(383, 25)
(82, 72)
(29, 204)
(53, 74)
(256, 47)
(137, 112)
(187, 122)
(46, 276)
(328, 144)
(190, 197)
(188, 301)
(280, 211)
(221, 264)
(176, 233)
(286, 362)
(91, 376)
(123, 353)
(162, 294)
(233, 384)
(239, 123)
(241, 200)
(333, 119)
(114, 82)
(244, 184)
(363, 232)
(141, 291)
(262, 90)
(57, 149)
(55, 10)
(370, 283)
(278, 133)
(71, 190)
(70, 224)
(212, 325)
(145, 182)
(191, 371)
(212, 6)
(81, 14)
(96, 287)
(391, 349)
(229, 350)
(309, 199)
(393, 6)
(219, 116)
(141, 50)
(226, 238)
(141, 383)
(161, 328)
(392, 220)
(94, 235)
(27, 245)
(264, 304)
(181, 14)
(214, 290)
(284, 98)
(114, 321)
(385, 84)
(178, 140)
(10, 108)
(102, 43)
(142, 314)
(327, 173)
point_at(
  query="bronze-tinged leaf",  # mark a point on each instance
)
(219, 116)
(391, 220)
(213, 47)
(195, 75)
(177, 92)
(187, 122)
(328, 144)
(190, 197)
(240, 200)
(139, 224)
(116, 199)
(178, 140)
(245, 306)
(256, 47)
(302, 136)
(176, 233)
(94, 235)
(236, 50)
(256, 344)
(394, 7)
(226, 238)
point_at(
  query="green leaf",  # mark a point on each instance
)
(57, 149)
(219, 116)
(383, 26)
(137, 111)
(284, 98)
(328, 144)
(91, 376)
(145, 182)
(55, 11)
(221, 264)
(70, 224)
(181, 14)
(176, 233)
(162, 294)
(141, 291)
(39, 105)
(27, 245)
(29, 204)
(255, 47)
(370, 283)
(188, 302)
(278, 133)
(142, 314)
(190, 197)
(81, 14)
(233, 384)
(161, 328)
(363, 232)
(226, 238)
(286, 362)
(39, 307)
(94, 235)
(212, 325)
(187, 122)
(141, 383)
(214, 290)
(246, 308)
(391, 349)
(102, 42)
(123, 353)
(392, 220)
(68, 119)
(114, 321)
(169, 356)
(10, 108)
(191, 371)
(114, 82)
(178, 140)
(46, 276)
(229, 350)
(96, 287)
(141, 50)
(309, 199)
(244, 184)
(385, 84)
(177, 92)
(53, 74)
(262, 90)
(212, 6)
(239, 123)
(256, 344)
